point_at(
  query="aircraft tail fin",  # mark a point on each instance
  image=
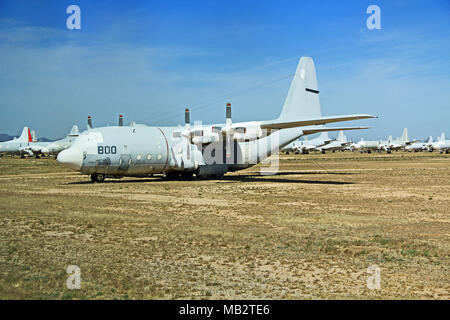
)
(430, 139)
(74, 131)
(25, 136)
(324, 136)
(341, 137)
(441, 137)
(302, 101)
(33, 136)
(404, 136)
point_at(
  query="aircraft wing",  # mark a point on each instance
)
(313, 130)
(275, 124)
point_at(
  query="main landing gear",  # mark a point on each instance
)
(98, 177)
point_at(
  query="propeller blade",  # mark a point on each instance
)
(187, 119)
(187, 125)
(228, 114)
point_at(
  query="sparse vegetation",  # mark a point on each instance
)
(309, 232)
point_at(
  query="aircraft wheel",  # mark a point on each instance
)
(100, 177)
(446, 151)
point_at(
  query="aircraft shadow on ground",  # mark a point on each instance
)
(240, 178)
(271, 178)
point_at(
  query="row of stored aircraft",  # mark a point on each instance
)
(323, 143)
(27, 144)
(204, 150)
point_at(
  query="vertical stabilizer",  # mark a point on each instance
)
(74, 132)
(25, 136)
(341, 137)
(404, 136)
(302, 101)
(324, 136)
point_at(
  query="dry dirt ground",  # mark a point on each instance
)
(308, 232)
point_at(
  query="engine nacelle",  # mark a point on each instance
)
(250, 133)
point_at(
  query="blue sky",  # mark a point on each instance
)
(149, 60)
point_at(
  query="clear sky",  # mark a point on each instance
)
(149, 60)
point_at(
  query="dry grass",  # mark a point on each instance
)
(310, 231)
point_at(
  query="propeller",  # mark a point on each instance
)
(187, 132)
(228, 130)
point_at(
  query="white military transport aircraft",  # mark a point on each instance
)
(204, 150)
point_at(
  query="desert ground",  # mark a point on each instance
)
(310, 231)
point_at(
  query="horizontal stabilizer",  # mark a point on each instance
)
(323, 129)
(275, 124)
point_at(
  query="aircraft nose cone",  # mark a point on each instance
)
(71, 158)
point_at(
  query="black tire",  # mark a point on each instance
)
(100, 177)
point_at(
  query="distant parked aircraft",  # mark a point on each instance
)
(304, 146)
(54, 147)
(395, 144)
(17, 145)
(338, 144)
(25, 144)
(366, 146)
(420, 146)
(441, 144)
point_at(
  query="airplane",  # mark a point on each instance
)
(441, 144)
(338, 144)
(395, 144)
(203, 150)
(54, 147)
(419, 146)
(26, 144)
(366, 146)
(16, 146)
(304, 146)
